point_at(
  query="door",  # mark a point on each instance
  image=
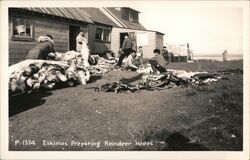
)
(132, 36)
(122, 37)
(73, 32)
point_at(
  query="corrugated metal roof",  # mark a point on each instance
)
(71, 13)
(96, 15)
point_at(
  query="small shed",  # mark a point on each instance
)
(180, 51)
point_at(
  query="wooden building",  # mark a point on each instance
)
(180, 51)
(104, 27)
(127, 21)
(27, 24)
(100, 31)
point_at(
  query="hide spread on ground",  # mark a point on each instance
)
(73, 68)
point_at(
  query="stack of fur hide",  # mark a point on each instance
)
(68, 68)
(31, 75)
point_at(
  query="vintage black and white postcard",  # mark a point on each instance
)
(125, 76)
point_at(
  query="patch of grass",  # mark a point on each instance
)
(224, 86)
(207, 88)
(229, 102)
(191, 92)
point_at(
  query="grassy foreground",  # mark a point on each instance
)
(78, 118)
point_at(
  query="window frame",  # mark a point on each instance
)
(17, 38)
(102, 34)
(130, 16)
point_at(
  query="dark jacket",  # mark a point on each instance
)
(41, 50)
(127, 44)
(158, 62)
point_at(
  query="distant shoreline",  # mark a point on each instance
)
(218, 57)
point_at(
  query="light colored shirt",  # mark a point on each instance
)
(129, 62)
(79, 41)
(139, 53)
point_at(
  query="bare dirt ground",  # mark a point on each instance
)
(194, 118)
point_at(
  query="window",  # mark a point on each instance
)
(102, 34)
(106, 35)
(98, 34)
(22, 27)
(130, 16)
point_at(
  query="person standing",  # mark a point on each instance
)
(139, 55)
(42, 49)
(225, 56)
(165, 53)
(140, 52)
(126, 47)
(79, 40)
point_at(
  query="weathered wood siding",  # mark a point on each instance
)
(97, 46)
(101, 47)
(42, 25)
(147, 49)
(159, 41)
(91, 37)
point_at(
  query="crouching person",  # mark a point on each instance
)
(158, 62)
(129, 62)
(42, 49)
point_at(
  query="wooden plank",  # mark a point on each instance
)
(101, 47)
(49, 22)
(18, 49)
(20, 46)
(49, 29)
(17, 42)
(23, 55)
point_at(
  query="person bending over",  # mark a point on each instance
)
(42, 49)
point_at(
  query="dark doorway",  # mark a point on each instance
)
(132, 36)
(122, 37)
(73, 32)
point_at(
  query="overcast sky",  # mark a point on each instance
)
(209, 30)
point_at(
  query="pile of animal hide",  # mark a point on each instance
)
(67, 69)
(170, 79)
(103, 66)
(116, 87)
(31, 75)
(148, 69)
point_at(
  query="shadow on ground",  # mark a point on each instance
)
(165, 140)
(94, 78)
(129, 80)
(22, 102)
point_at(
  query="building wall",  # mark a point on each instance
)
(43, 25)
(159, 41)
(91, 37)
(147, 49)
(178, 49)
(97, 46)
